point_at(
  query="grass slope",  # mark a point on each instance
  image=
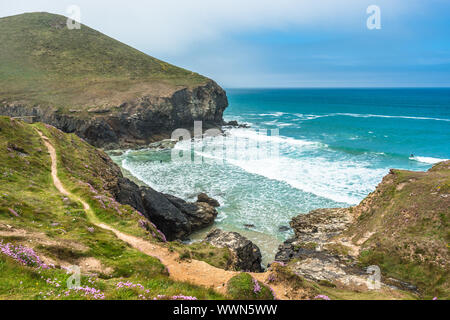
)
(243, 287)
(43, 62)
(406, 224)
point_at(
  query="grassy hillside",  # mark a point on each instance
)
(41, 227)
(43, 62)
(404, 228)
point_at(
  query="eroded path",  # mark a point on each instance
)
(193, 271)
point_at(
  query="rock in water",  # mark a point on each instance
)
(175, 217)
(203, 197)
(163, 144)
(246, 255)
(199, 214)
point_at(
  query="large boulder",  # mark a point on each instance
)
(199, 214)
(168, 218)
(175, 217)
(246, 255)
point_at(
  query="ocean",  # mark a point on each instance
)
(332, 148)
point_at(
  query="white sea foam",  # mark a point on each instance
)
(306, 117)
(331, 175)
(302, 116)
(358, 115)
(342, 181)
(274, 114)
(428, 160)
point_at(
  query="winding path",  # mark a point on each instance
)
(193, 271)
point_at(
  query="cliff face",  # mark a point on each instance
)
(133, 122)
(106, 92)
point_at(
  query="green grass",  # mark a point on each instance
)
(43, 62)
(21, 282)
(203, 251)
(242, 287)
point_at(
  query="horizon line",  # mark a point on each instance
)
(399, 87)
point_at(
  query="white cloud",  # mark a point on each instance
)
(169, 26)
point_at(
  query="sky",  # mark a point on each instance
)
(282, 43)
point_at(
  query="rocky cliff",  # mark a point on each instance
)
(401, 228)
(135, 122)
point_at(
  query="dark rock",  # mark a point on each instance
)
(246, 255)
(175, 217)
(199, 214)
(312, 231)
(313, 260)
(16, 148)
(203, 197)
(232, 123)
(235, 124)
(167, 217)
(163, 144)
(286, 251)
(312, 252)
(400, 284)
(127, 192)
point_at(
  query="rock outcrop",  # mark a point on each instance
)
(203, 197)
(399, 227)
(246, 255)
(315, 257)
(137, 122)
(318, 252)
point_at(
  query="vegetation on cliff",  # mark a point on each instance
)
(403, 227)
(243, 287)
(55, 228)
(44, 62)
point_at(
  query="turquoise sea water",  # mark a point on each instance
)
(334, 146)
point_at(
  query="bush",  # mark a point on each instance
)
(244, 287)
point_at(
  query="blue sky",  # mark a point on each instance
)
(284, 43)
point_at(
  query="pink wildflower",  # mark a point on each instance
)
(13, 212)
(323, 297)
